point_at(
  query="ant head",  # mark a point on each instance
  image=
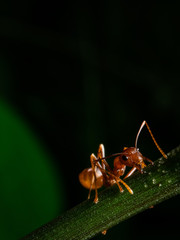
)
(131, 157)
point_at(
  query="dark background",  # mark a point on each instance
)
(73, 76)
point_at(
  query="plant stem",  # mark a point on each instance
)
(158, 183)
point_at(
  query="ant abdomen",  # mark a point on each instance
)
(86, 178)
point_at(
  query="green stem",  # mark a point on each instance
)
(84, 221)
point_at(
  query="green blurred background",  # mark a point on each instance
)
(73, 76)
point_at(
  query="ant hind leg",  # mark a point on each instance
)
(92, 158)
(89, 194)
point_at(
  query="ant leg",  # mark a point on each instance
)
(130, 172)
(104, 162)
(121, 181)
(101, 151)
(92, 158)
(96, 164)
(89, 194)
(117, 179)
(101, 154)
(128, 188)
(148, 160)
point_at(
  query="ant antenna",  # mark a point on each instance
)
(142, 125)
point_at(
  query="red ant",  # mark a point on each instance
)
(101, 174)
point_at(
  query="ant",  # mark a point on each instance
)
(101, 174)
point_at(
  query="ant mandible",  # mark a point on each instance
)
(101, 174)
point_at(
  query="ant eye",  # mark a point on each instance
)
(125, 158)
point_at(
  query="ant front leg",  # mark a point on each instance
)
(148, 160)
(130, 172)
